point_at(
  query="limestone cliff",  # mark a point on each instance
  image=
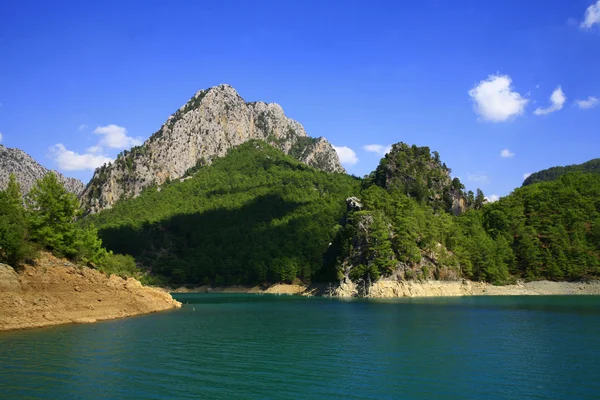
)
(207, 126)
(28, 171)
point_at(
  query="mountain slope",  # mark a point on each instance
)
(206, 127)
(253, 216)
(257, 215)
(550, 174)
(553, 228)
(28, 171)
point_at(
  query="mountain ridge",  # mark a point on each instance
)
(553, 173)
(28, 171)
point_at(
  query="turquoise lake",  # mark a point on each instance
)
(278, 347)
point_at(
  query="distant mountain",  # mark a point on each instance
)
(212, 122)
(550, 174)
(28, 171)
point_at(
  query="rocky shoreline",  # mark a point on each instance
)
(56, 292)
(395, 289)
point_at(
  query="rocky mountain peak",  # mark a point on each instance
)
(28, 171)
(209, 124)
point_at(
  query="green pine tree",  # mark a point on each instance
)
(52, 214)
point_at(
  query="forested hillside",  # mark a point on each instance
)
(549, 230)
(258, 215)
(253, 216)
(550, 174)
(553, 228)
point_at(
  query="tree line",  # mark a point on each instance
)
(258, 216)
(46, 219)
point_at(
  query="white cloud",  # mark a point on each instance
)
(116, 137)
(506, 153)
(0, 136)
(591, 102)
(478, 177)
(377, 148)
(82, 127)
(71, 161)
(492, 198)
(346, 155)
(495, 100)
(592, 16)
(526, 175)
(557, 98)
(94, 149)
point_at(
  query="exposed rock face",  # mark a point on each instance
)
(28, 171)
(389, 288)
(206, 127)
(353, 204)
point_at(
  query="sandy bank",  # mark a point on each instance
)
(279, 288)
(388, 289)
(55, 292)
(391, 289)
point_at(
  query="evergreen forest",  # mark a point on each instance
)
(259, 216)
(47, 220)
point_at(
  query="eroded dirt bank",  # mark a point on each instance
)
(55, 292)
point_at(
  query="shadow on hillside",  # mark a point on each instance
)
(230, 246)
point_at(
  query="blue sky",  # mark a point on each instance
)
(466, 78)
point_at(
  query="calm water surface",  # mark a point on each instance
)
(278, 347)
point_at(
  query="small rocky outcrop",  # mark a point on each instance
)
(28, 171)
(419, 173)
(206, 127)
(353, 204)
